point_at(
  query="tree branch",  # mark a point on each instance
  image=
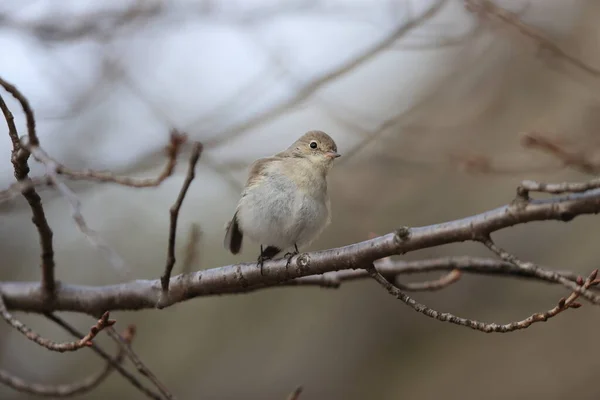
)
(489, 9)
(174, 212)
(143, 294)
(126, 347)
(85, 341)
(19, 158)
(563, 304)
(71, 389)
(126, 374)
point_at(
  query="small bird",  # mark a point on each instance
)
(285, 202)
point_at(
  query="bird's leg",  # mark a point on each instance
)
(266, 254)
(261, 260)
(289, 255)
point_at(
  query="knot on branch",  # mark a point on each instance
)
(402, 234)
(303, 261)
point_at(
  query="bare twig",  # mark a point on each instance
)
(538, 271)
(138, 363)
(71, 389)
(126, 374)
(86, 341)
(478, 325)
(172, 151)
(488, 9)
(19, 158)
(174, 212)
(556, 188)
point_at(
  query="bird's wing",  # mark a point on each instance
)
(258, 171)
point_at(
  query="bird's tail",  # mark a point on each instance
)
(233, 236)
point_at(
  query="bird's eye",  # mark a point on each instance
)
(313, 145)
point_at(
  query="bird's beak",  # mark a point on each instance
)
(332, 154)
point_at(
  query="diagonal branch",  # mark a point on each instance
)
(306, 91)
(126, 374)
(93, 237)
(71, 389)
(86, 341)
(489, 9)
(126, 347)
(143, 294)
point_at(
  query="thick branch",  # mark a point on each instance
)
(143, 294)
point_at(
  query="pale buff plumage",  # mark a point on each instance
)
(285, 202)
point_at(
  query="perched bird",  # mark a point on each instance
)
(285, 202)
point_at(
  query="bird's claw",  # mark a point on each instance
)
(289, 257)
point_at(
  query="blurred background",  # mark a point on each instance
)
(428, 104)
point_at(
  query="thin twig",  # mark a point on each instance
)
(172, 151)
(139, 365)
(174, 212)
(126, 374)
(16, 93)
(19, 158)
(86, 341)
(474, 324)
(71, 389)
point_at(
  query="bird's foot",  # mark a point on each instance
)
(290, 255)
(260, 262)
(266, 254)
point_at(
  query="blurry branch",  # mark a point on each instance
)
(96, 240)
(306, 91)
(128, 336)
(174, 215)
(142, 294)
(478, 163)
(126, 347)
(487, 9)
(71, 389)
(295, 395)
(98, 24)
(86, 341)
(578, 160)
